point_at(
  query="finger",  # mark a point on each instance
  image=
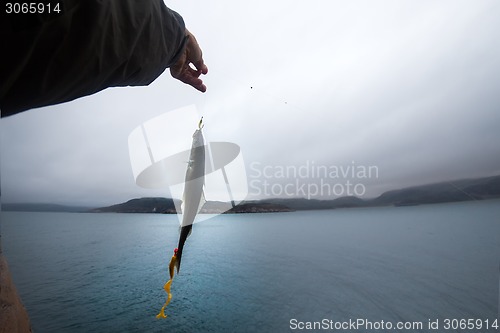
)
(192, 80)
(198, 85)
(195, 83)
(191, 65)
(195, 55)
(200, 66)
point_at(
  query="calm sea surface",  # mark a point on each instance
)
(257, 272)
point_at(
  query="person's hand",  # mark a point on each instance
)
(182, 69)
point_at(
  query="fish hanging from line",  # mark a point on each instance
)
(192, 201)
(193, 198)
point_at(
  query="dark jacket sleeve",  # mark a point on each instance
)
(90, 46)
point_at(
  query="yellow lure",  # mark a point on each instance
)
(167, 285)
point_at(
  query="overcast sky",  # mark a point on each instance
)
(411, 88)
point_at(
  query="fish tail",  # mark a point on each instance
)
(185, 232)
(178, 261)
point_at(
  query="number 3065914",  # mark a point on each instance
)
(32, 8)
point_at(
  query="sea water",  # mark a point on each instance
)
(279, 272)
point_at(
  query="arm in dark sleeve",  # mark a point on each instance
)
(90, 46)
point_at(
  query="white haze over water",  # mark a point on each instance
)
(410, 87)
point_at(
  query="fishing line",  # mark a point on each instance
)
(211, 159)
(202, 108)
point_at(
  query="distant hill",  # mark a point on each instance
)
(258, 207)
(459, 190)
(142, 205)
(167, 206)
(314, 204)
(39, 207)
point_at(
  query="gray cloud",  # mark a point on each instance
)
(411, 87)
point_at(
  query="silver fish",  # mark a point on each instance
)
(193, 197)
